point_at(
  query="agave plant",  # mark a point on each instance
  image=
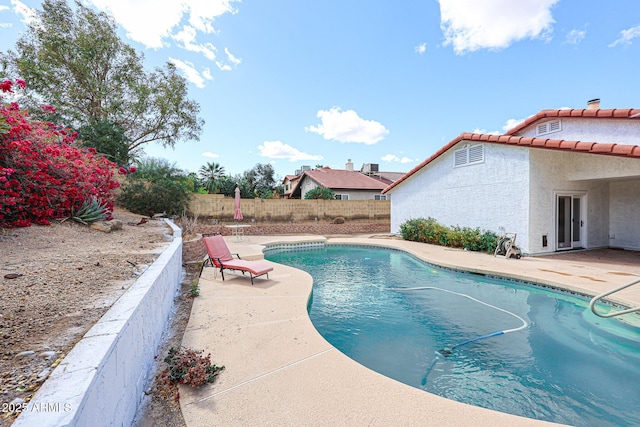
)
(90, 211)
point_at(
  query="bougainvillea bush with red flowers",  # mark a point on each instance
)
(44, 174)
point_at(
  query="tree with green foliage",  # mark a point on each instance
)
(75, 60)
(211, 175)
(257, 182)
(228, 186)
(261, 179)
(156, 187)
(195, 185)
(320, 193)
(107, 138)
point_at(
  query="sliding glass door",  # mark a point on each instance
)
(569, 222)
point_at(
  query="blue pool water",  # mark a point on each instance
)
(567, 366)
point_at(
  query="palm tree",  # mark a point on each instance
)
(211, 173)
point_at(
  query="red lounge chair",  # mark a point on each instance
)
(220, 257)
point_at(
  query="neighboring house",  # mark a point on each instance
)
(540, 180)
(288, 183)
(346, 184)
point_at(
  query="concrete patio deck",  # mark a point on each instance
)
(281, 372)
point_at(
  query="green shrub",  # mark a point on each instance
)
(320, 193)
(156, 187)
(428, 230)
(194, 291)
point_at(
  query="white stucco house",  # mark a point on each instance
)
(562, 179)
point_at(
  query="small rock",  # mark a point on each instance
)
(26, 353)
(47, 354)
(116, 224)
(142, 267)
(43, 375)
(107, 226)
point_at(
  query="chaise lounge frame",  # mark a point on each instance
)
(219, 256)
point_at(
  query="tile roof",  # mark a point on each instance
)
(290, 178)
(387, 177)
(620, 150)
(595, 113)
(344, 179)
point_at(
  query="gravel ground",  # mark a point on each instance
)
(56, 282)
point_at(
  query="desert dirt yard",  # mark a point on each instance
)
(55, 283)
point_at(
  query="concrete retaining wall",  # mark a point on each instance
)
(101, 381)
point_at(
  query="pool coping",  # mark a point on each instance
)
(280, 371)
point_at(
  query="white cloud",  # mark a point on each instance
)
(2, 7)
(575, 36)
(232, 58)
(470, 25)
(28, 14)
(393, 158)
(187, 38)
(279, 150)
(210, 155)
(347, 126)
(486, 132)
(151, 21)
(626, 36)
(146, 21)
(420, 49)
(511, 123)
(191, 74)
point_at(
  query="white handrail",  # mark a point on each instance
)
(595, 299)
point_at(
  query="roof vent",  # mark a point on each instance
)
(593, 104)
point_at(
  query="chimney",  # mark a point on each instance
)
(349, 165)
(593, 104)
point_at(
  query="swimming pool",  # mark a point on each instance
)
(566, 366)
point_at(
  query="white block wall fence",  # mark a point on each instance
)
(101, 381)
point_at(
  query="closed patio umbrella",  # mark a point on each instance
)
(237, 215)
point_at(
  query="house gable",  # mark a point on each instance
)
(610, 149)
(592, 114)
(615, 126)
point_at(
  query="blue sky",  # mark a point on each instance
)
(298, 82)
